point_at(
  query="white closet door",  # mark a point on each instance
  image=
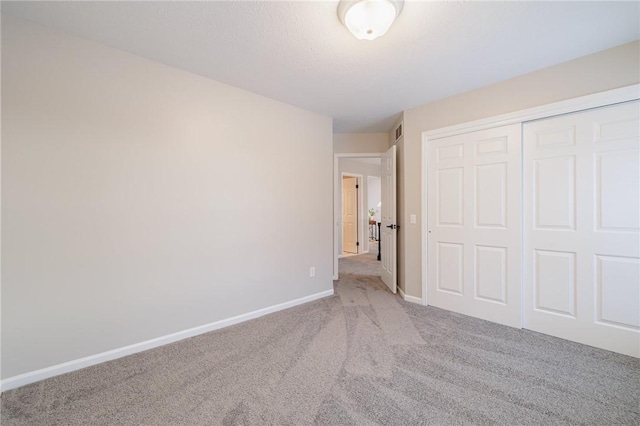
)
(474, 224)
(582, 241)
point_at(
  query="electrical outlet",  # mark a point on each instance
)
(412, 219)
(312, 272)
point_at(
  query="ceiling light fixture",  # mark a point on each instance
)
(369, 19)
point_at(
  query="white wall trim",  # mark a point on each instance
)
(597, 100)
(337, 189)
(408, 298)
(401, 292)
(413, 299)
(609, 97)
(424, 229)
(66, 367)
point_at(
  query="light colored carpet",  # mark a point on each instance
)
(373, 247)
(361, 264)
(363, 357)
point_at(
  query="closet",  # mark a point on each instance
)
(535, 222)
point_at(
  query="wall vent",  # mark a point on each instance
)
(399, 131)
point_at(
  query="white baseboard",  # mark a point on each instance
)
(66, 367)
(401, 293)
(411, 299)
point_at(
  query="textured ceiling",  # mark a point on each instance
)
(299, 53)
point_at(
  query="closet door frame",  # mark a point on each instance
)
(610, 97)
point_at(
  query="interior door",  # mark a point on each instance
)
(388, 229)
(582, 227)
(349, 214)
(474, 224)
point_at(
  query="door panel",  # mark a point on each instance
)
(617, 189)
(450, 267)
(555, 192)
(450, 196)
(349, 214)
(474, 223)
(581, 236)
(388, 233)
(555, 281)
(491, 207)
(491, 273)
(617, 277)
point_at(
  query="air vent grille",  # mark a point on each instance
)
(399, 132)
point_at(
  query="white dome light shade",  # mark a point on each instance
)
(368, 19)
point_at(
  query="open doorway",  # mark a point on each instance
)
(358, 214)
(374, 205)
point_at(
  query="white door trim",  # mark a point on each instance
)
(609, 97)
(337, 190)
(423, 229)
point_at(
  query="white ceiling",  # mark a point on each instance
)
(299, 53)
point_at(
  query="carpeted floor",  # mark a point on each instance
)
(361, 357)
(361, 264)
(373, 247)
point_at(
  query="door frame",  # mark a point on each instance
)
(337, 196)
(359, 207)
(596, 100)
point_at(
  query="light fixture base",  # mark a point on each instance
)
(369, 19)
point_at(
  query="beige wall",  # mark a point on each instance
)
(139, 200)
(360, 143)
(609, 69)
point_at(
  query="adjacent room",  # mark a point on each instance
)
(359, 204)
(371, 212)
